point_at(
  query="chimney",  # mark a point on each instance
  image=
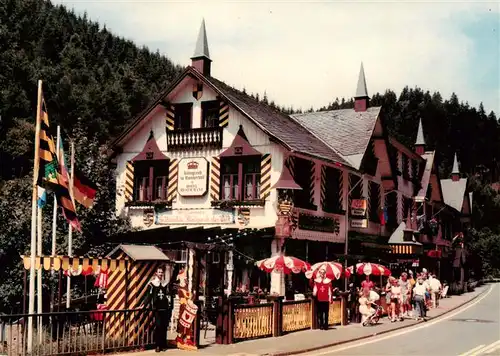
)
(201, 58)
(455, 172)
(420, 142)
(361, 99)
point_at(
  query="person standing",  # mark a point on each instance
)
(159, 297)
(404, 283)
(367, 283)
(322, 291)
(419, 297)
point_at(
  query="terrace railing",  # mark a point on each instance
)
(78, 332)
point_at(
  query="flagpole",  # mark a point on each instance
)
(54, 220)
(36, 164)
(39, 292)
(70, 232)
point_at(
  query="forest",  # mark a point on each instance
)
(96, 82)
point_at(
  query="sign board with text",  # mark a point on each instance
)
(195, 217)
(359, 223)
(193, 177)
(358, 207)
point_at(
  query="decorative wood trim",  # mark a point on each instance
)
(170, 117)
(215, 179)
(173, 172)
(129, 181)
(265, 176)
(312, 182)
(157, 204)
(223, 114)
(224, 204)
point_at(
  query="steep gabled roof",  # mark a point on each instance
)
(280, 127)
(397, 237)
(346, 131)
(454, 192)
(277, 124)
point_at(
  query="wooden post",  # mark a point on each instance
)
(197, 324)
(220, 331)
(343, 310)
(314, 316)
(277, 316)
(230, 320)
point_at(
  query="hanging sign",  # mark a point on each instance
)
(358, 207)
(193, 177)
(359, 223)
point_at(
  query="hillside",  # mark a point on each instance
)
(96, 82)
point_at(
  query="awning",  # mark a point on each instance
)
(141, 252)
(65, 262)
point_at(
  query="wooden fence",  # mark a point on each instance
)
(275, 317)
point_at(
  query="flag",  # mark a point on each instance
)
(50, 175)
(383, 216)
(42, 197)
(84, 190)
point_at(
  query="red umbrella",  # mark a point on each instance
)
(284, 264)
(372, 269)
(333, 270)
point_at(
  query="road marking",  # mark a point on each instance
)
(470, 352)
(490, 348)
(409, 330)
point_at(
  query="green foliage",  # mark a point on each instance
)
(449, 126)
(485, 246)
(94, 84)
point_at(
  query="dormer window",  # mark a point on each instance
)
(210, 113)
(149, 176)
(183, 116)
(240, 178)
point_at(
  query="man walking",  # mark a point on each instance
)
(159, 297)
(435, 287)
(323, 292)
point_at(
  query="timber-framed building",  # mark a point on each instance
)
(206, 161)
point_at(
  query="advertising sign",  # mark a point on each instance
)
(193, 177)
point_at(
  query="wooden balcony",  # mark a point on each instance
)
(191, 139)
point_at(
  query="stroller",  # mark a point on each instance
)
(375, 317)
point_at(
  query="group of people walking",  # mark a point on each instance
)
(406, 296)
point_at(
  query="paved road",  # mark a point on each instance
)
(470, 331)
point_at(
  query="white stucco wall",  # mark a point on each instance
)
(259, 216)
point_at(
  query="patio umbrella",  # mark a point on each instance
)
(372, 269)
(284, 264)
(333, 270)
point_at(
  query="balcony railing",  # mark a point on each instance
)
(189, 139)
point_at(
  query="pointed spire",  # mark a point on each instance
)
(361, 90)
(455, 172)
(361, 98)
(420, 142)
(201, 49)
(201, 57)
(420, 134)
(455, 169)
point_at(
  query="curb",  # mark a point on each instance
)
(341, 342)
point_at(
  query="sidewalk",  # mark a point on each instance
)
(309, 340)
